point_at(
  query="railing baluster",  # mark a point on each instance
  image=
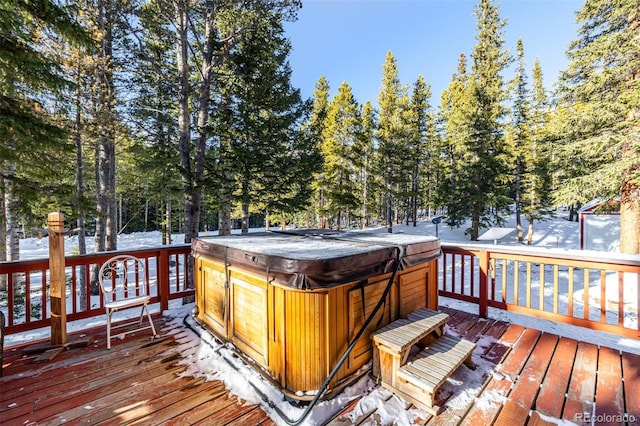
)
(585, 300)
(621, 298)
(10, 299)
(484, 278)
(45, 294)
(74, 301)
(27, 298)
(570, 292)
(603, 296)
(555, 289)
(453, 273)
(541, 287)
(516, 281)
(463, 270)
(504, 281)
(528, 300)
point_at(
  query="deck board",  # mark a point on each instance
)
(557, 379)
(525, 389)
(138, 382)
(609, 393)
(486, 409)
(631, 375)
(582, 386)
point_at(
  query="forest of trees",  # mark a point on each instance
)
(180, 115)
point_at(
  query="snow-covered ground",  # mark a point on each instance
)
(206, 357)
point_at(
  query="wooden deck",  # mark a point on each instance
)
(523, 377)
(136, 382)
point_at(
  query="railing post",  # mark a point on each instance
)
(57, 289)
(163, 278)
(483, 305)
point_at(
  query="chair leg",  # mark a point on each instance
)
(108, 329)
(153, 329)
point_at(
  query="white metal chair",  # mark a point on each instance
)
(124, 284)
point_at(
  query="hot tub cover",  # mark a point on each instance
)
(312, 260)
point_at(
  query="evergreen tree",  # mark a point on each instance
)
(341, 132)
(420, 146)
(314, 129)
(520, 132)
(34, 150)
(393, 136)
(273, 160)
(536, 178)
(455, 104)
(363, 154)
(152, 113)
(482, 173)
(600, 92)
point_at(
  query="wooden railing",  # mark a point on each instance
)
(25, 301)
(600, 292)
(568, 287)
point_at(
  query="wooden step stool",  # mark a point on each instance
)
(418, 380)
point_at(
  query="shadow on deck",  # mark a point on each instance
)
(523, 376)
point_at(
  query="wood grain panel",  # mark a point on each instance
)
(213, 297)
(249, 319)
(412, 291)
(306, 337)
(358, 314)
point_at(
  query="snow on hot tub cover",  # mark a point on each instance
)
(311, 260)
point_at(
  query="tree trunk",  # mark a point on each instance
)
(475, 222)
(224, 215)
(518, 209)
(106, 232)
(630, 218)
(245, 205)
(365, 198)
(103, 150)
(166, 228)
(389, 213)
(224, 218)
(530, 232)
(11, 217)
(184, 127)
(82, 242)
(3, 229)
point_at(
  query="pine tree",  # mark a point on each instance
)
(520, 132)
(393, 136)
(481, 169)
(313, 129)
(35, 147)
(536, 178)
(341, 132)
(152, 113)
(600, 92)
(364, 152)
(274, 161)
(455, 104)
(420, 146)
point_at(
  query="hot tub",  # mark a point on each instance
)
(292, 302)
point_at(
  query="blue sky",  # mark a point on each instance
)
(347, 40)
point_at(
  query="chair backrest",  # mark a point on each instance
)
(123, 277)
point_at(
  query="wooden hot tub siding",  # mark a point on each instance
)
(297, 336)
